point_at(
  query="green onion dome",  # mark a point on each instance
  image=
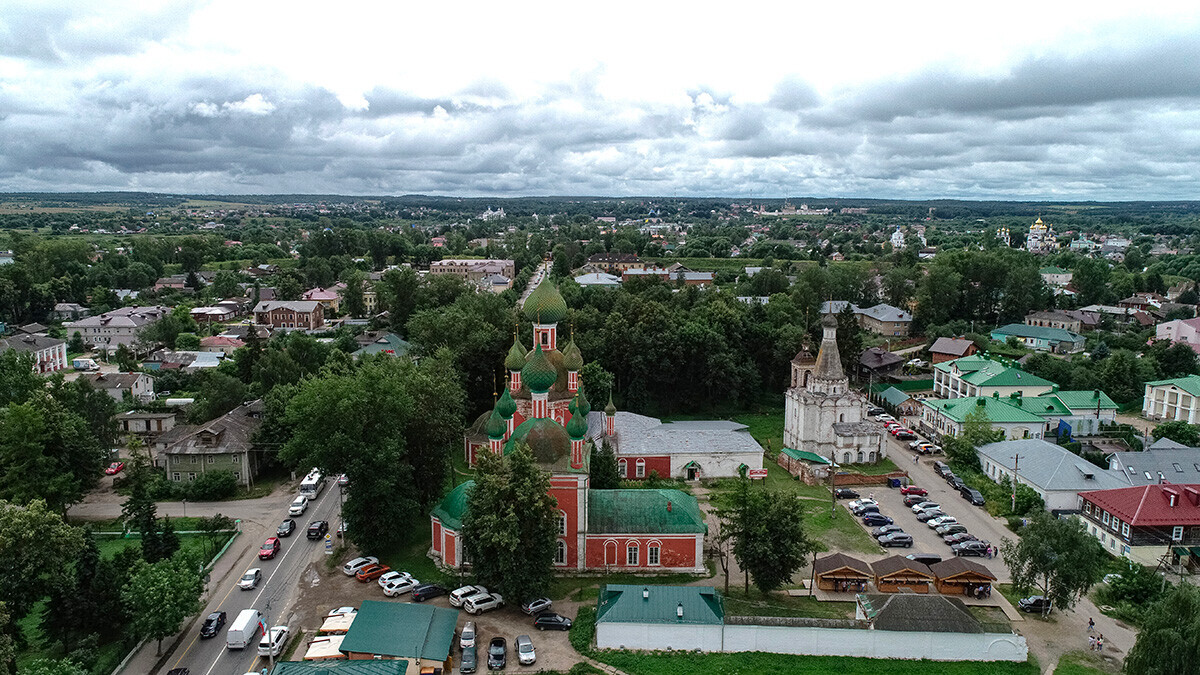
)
(572, 408)
(539, 374)
(545, 304)
(610, 409)
(577, 427)
(496, 426)
(572, 357)
(583, 405)
(506, 406)
(545, 437)
(516, 356)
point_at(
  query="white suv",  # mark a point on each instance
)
(351, 568)
(273, 641)
(458, 595)
(299, 506)
(477, 604)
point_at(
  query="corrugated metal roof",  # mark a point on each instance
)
(402, 629)
(998, 410)
(643, 512)
(1086, 400)
(1038, 332)
(625, 603)
(893, 396)
(1050, 467)
(805, 455)
(341, 667)
(1189, 383)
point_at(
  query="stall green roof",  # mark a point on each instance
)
(643, 511)
(453, 506)
(634, 603)
(893, 396)
(1086, 400)
(998, 410)
(1188, 383)
(805, 456)
(339, 667)
(402, 629)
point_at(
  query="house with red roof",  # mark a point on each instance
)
(1145, 522)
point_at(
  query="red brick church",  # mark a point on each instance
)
(544, 406)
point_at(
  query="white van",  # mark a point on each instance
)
(243, 630)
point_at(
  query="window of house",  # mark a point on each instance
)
(192, 476)
(631, 554)
(212, 459)
(195, 459)
(1104, 517)
(1116, 523)
(237, 459)
(562, 522)
(1125, 530)
(175, 477)
(560, 552)
(641, 468)
(1087, 507)
(623, 468)
(1177, 533)
(652, 555)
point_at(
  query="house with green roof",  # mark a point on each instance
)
(945, 417)
(1042, 338)
(979, 375)
(1173, 399)
(659, 617)
(899, 402)
(417, 632)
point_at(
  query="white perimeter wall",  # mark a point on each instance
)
(716, 464)
(816, 641)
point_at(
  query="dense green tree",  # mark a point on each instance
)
(1056, 557)
(353, 302)
(75, 608)
(227, 284)
(849, 339)
(187, 342)
(1169, 640)
(398, 295)
(1091, 278)
(1180, 432)
(511, 525)
(161, 595)
(17, 379)
(769, 541)
(31, 535)
(75, 345)
(51, 448)
(52, 667)
(167, 329)
(219, 393)
(603, 471)
(8, 646)
(124, 359)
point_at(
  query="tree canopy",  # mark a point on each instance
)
(1056, 557)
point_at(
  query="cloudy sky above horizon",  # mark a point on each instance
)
(1025, 100)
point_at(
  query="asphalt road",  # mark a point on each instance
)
(274, 596)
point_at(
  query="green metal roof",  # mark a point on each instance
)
(967, 363)
(805, 456)
(453, 506)
(402, 629)
(516, 355)
(998, 410)
(1188, 383)
(1085, 400)
(639, 511)
(630, 603)
(393, 667)
(1052, 270)
(389, 342)
(1038, 333)
(982, 371)
(893, 396)
(1046, 405)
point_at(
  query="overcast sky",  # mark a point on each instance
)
(1038, 100)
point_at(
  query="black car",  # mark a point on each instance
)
(896, 539)
(212, 625)
(1034, 603)
(317, 529)
(972, 495)
(873, 411)
(957, 483)
(876, 519)
(864, 509)
(949, 476)
(286, 528)
(975, 548)
(845, 493)
(426, 591)
(885, 529)
(178, 671)
(552, 621)
(926, 516)
(497, 654)
(468, 664)
(912, 500)
(906, 436)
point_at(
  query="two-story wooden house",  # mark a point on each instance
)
(1145, 522)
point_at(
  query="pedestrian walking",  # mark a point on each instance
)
(916, 459)
(1091, 625)
(1100, 643)
(1091, 643)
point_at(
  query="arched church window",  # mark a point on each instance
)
(846, 458)
(560, 552)
(623, 468)
(641, 468)
(871, 457)
(860, 455)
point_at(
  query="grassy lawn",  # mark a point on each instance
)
(766, 427)
(879, 468)
(841, 532)
(111, 546)
(740, 603)
(1084, 663)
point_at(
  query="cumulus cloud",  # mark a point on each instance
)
(152, 104)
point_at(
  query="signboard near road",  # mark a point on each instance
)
(757, 473)
(328, 545)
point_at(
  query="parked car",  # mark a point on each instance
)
(341, 531)
(458, 595)
(972, 495)
(351, 568)
(969, 548)
(949, 476)
(926, 506)
(885, 529)
(876, 519)
(957, 483)
(286, 528)
(875, 412)
(468, 663)
(845, 493)
(299, 506)
(179, 671)
(935, 523)
(212, 625)
(913, 490)
(372, 571)
(389, 577)
(952, 528)
(342, 480)
(864, 509)
(426, 591)
(896, 539)
(958, 538)
(317, 529)
(885, 418)
(859, 502)
(270, 548)
(926, 516)
(477, 604)
(551, 621)
(912, 500)
(466, 637)
(535, 607)
(497, 654)
(273, 640)
(250, 579)
(941, 468)
(905, 435)
(1034, 603)
(114, 468)
(525, 654)
(400, 586)
(925, 558)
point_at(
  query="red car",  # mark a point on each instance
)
(913, 490)
(114, 468)
(372, 571)
(269, 548)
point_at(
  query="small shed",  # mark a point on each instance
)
(899, 573)
(840, 573)
(338, 624)
(959, 576)
(808, 466)
(325, 648)
(900, 402)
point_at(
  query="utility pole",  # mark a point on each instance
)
(832, 486)
(1016, 466)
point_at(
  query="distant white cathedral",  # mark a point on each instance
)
(823, 414)
(1041, 238)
